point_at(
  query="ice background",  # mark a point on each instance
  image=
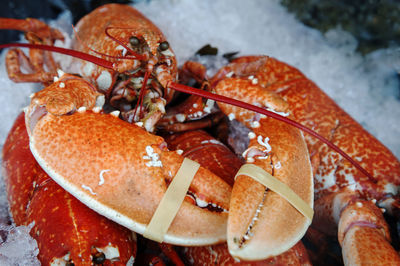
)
(366, 87)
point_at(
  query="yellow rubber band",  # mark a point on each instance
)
(171, 201)
(271, 182)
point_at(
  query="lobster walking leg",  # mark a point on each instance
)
(37, 32)
(65, 229)
(360, 225)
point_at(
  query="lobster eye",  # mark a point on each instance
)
(134, 41)
(99, 258)
(164, 46)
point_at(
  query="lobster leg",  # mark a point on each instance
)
(65, 229)
(37, 32)
(360, 226)
(256, 214)
(15, 59)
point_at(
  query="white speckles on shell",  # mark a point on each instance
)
(101, 176)
(139, 124)
(180, 152)
(104, 80)
(359, 204)
(60, 73)
(278, 165)
(213, 141)
(254, 81)
(195, 105)
(231, 116)
(251, 135)
(276, 112)
(88, 189)
(82, 109)
(264, 143)
(255, 124)
(115, 113)
(230, 74)
(153, 158)
(209, 106)
(96, 109)
(180, 117)
(62, 85)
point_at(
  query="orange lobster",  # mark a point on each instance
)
(284, 154)
(69, 108)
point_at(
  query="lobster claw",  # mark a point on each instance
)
(261, 223)
(120, 170)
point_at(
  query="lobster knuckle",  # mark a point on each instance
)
(63, 97)
(362, 213)
(255, 94)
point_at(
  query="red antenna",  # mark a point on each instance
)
(202, 93)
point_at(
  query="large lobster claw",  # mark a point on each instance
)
(262, 223)
(118, 169)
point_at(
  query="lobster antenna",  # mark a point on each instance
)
(202, 93)
(84, 56)
(135, 56)
(220, 98)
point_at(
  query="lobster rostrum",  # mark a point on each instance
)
(65, 120)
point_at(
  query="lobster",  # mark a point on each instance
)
(70, 106)
(239, 237)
